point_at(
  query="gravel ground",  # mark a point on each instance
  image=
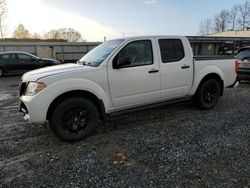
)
(172, 146)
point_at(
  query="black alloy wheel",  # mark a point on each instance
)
(74, 119)
(208, 94)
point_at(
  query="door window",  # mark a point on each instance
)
(7, 57)
(25, 57)
(171, 50)
(4, 57)
(139, 52)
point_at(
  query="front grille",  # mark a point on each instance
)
(23, 87)
(23, 108)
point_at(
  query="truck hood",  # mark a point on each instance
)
(52, 70)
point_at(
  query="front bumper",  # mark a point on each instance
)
(33, 109)
(23, 109)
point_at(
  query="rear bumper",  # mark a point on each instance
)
(242, 77)
(244, 74)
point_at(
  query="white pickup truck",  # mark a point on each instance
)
(120, 76)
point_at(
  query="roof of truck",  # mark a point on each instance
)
(154, 36)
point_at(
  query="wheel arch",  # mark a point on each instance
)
(77, 93)
(212, 76)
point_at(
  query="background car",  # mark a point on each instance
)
(21, 62)
(242, 64)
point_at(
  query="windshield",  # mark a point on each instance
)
(96, 56)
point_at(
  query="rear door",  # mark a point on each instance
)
(9, 62)
(176, 67)
(136, 83)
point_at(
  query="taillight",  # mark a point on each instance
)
(237, 62)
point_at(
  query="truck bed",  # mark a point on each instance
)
(213, 57)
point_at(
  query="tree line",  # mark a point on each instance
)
(237, 18)
(68, 34)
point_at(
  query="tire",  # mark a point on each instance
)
(1, 72)
(74, 119)
(208, 94)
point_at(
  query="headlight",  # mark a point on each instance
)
(34, 87)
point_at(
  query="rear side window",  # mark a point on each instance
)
(171, 50)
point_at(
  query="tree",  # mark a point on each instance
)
(53, 34)
(36, 36)
(205, 27)
(3, 12)
(21, 32)
(221, 21)
(233, 16)
(244, 15)
(68, 34)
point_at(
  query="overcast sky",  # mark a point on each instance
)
(95, 19)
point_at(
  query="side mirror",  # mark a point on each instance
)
(122, 61)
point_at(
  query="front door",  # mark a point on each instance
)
(27, 62)
(136, 82)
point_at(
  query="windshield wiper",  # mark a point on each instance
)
(85, 63)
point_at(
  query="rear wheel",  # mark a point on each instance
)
(74, 119)
(208, 94)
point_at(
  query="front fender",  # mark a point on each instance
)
(60, 87)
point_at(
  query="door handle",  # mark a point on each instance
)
(153, 71)
(185, 67)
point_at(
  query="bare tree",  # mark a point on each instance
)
(3, 12)
(221, 21)
(21, 32)
(205, 27)
(244, 15)
(53, 34)
(233, 16)
(36, 36)
(69, 34)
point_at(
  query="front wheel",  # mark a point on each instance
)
(74, 119)
(208, 94)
